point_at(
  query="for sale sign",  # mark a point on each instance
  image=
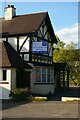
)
(39, 47)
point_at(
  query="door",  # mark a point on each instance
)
(23, 79)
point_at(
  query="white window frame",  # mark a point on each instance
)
(42, 73)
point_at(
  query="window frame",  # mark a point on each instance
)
(46, 73)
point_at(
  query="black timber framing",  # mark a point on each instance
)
(6, 39)
(17, 44)
(42, 22)
(50, 50)
(4, 35)
(43, 64)
(43, 34)
(63, 78)
(30, 49)
(44, 83)
(42, 38)
(23, 43)
(68, 78)
(36, 55)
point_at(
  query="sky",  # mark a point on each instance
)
(63, 16)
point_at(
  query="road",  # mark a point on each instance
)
(49, 109)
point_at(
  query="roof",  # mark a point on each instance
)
(26, 24)
(60, 66)
(10, 58)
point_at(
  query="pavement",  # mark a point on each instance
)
(53, 108)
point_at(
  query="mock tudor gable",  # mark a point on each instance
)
(21, 31)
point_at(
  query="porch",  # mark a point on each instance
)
(61, 75)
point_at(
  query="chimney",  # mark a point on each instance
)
(10, 12)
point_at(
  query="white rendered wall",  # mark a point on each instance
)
(6, 88)
(2, 39)
(13, 43)
(43, 89)
(13, 79)
(25, 46)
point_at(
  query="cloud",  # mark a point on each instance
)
(69, 34)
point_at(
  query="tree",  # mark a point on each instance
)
(70, 46)
(60, 44)
(71, 56)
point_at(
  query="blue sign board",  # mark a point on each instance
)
(39, 47)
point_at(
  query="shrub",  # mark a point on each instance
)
(39, 99)
(20, 94)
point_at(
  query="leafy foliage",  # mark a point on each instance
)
(68, 54)
(20, 94)
(39, 99)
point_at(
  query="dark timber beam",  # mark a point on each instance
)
(30, 49)
(45, 33)
(64, 78)
(23, 43)
(41, 33)
(17, 44)
(68, 78)
(42, 30)
(49, 49)
(6, 39)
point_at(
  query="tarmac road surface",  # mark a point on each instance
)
(49, 109)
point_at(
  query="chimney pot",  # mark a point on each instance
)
(10, 12)
(8, 5)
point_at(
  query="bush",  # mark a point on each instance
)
(20, 94)
(39, 99)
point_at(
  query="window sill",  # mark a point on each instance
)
(38, 83)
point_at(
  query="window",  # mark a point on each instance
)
(38, 76)
(48, 74)
(43, 75)
(4, 75)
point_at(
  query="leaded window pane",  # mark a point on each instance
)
(43, 77)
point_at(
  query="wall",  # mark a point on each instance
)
(13, 79)
(13, 42)
(47, 37)
(2, 39)
(43, 88)
(10, 83)
(5, 85)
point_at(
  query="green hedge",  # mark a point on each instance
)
(20, 94)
